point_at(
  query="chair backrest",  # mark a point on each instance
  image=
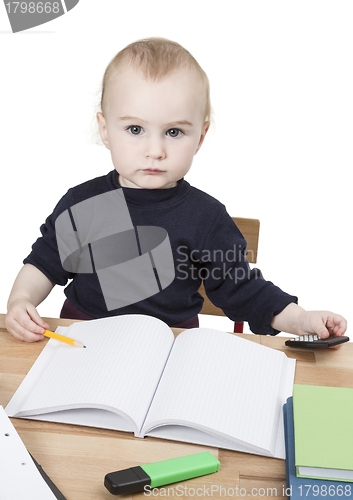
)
(250, 228)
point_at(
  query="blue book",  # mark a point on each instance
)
(300, 488)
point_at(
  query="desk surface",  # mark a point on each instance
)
(77, 458)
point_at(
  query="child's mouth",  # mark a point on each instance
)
(152, 171)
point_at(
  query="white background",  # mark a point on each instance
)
(281, 79)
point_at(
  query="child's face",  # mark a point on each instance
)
(153, 129)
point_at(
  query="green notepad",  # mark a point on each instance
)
(323, 430)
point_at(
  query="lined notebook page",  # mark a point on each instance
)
(223, 384)
(120, 368)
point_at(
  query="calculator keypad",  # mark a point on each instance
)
(307, 338)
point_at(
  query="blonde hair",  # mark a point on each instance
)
(156, 58)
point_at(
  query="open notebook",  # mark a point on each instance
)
(207, 387)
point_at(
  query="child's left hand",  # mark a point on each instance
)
(323, 323)
(294, 319)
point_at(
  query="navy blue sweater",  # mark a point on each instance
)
(206, 245)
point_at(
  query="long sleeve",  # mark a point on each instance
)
(45, 255)
(241, 292)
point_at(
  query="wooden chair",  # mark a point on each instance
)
(250, 229)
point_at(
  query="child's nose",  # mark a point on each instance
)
(155, 149)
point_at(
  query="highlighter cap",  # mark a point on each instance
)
(127, 481)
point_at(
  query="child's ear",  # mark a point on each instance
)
(204, 130)
(103, 129)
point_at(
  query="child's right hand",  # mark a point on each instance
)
(23, 321)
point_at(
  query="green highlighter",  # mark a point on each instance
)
(160, 473)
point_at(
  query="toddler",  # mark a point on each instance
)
(155, 114)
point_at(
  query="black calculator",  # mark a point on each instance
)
(315, 341)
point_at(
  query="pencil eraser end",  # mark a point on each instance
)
(127, 481)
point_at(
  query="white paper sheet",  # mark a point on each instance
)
(20, 477)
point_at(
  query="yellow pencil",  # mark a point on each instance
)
(67, 340)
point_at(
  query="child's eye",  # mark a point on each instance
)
(174, 132)
(135, 129)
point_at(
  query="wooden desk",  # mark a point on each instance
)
(77, 458)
